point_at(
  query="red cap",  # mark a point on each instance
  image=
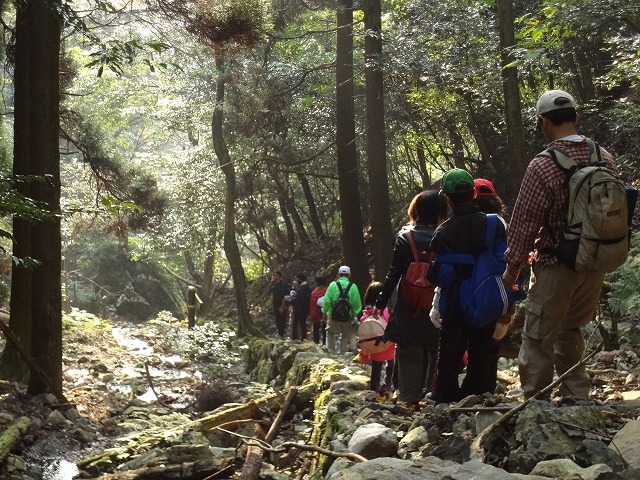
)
(484, 188)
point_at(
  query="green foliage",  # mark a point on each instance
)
(625, 295)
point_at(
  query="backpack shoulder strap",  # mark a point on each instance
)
(340, 289)
(561, 158)
(491, 231)
(412, 244)
(348, 287)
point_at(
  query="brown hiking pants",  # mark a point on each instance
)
(560, 302)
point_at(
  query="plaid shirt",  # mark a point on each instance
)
(539, 215)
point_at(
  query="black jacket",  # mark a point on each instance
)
(406, 325)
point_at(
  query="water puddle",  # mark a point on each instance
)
(132, 344)
(59, 469)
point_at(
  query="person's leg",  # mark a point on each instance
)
(453, 344)
(316, 332)
(303, 328)
(376, 371)
(432, 361)
(324, 332)
(546, 310)
(410, 372)
(570, 345)
(481, 369)
(281, 322)
(295, 327)
(388, 376)
(332, 331)
(345, 337)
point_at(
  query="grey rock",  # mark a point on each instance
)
(412, 441)
(592, 452)
(484, 419)
(56, 418)
(565, 468)
(374, 440)
(188, 453)
(627, 443)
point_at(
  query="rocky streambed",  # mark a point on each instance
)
(152, 400)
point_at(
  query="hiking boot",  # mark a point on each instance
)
(412, 406)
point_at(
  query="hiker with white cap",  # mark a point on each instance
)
(560, 300)
(341, 304)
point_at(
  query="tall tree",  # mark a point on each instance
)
(245, 323)
(517, 157)
(348, 185)
(36, 302)
(379, 215)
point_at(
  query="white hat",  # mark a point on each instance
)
(344, 270)
(554, 100)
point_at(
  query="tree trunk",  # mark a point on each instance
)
(311, 204)
(290, 237)
(348, 185)
(379, 211)
(231, 250)
(287, 200)
(513, 111)
(36, 300)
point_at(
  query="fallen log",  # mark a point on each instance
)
(477, 447)
(190, 470)
(12, 436)
(254, 457)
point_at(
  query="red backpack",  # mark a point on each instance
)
(415, 290)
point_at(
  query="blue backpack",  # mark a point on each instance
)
(483, 296)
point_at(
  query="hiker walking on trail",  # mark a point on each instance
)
(300, 306)
(279, 289)
(342, 305)
(560, 300)
(315, 311)
(463, 234)
(382, 357)
(409, 326)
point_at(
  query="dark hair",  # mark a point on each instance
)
(491, 205)
(321, 281)
(371, 295)
(562, 115)
(459, 198)
(427, 208)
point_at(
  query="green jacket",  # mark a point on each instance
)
(332, 294)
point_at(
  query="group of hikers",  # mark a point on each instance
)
(456, 272)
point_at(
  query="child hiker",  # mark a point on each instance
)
(386, 356)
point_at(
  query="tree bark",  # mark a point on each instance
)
(379, 210)
(37, 305)
(231, 250)
(311, 204)
(348, 185)
(517, 156)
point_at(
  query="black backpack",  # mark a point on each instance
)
(341, 311)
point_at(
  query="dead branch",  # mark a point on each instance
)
(253, 459)
(285, 446)
(477, 448)
(149, 379)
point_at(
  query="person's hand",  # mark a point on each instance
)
(509, 281)
(375, 312)
(434, 316)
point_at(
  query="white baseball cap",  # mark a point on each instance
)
(554, 100)
(344, 270)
